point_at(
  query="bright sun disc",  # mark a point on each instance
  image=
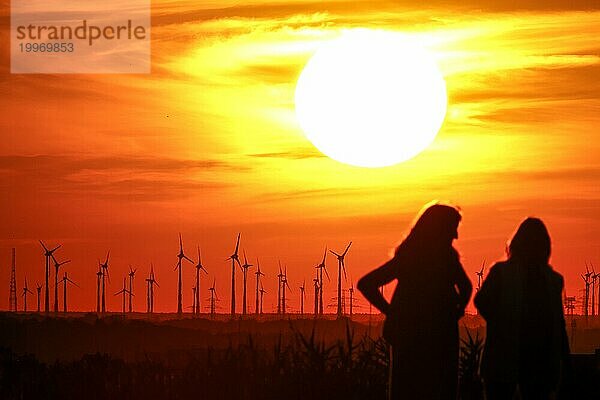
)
(371, 98)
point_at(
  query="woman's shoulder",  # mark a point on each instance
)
(500, 266)
(556, 277)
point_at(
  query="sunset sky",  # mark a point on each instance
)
(208, 145)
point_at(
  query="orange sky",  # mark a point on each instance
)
(207, 144)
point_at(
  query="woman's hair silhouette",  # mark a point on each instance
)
(521, 301)
(531, 242)
(435, 227)
(430, 296)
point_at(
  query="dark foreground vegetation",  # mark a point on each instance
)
(302, 369)
(299, 362)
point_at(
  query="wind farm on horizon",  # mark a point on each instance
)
(205, 300)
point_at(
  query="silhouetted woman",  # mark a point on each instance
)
(422, 318)
(521, 301)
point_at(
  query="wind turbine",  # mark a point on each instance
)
(194, 300)
(105, 275)
(587, 279)
(181, 256)
(593, 278)
(234, 258)
(151, 281)
(244, 268)
(57, 265)
(99, 281)
(316, 282)
(302, 297)
(258, 274)
(262, 292)
(48, 254)
(25, 292)
(213, 297)
(480, 275)
(65, 281)
(341, 267)
(284, 283)
(39, 295)
(279, 278)
(320, 267)
(199, 267)
(123, 291)
(131, 276)
(351, 292)
(598, 296)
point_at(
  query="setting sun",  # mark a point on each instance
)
(371, 98)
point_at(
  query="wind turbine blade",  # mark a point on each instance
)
(180, 242)
(73, 282)
(56, 248)
(344, 269)
(204, 269)
(199, 256)
(324, 255)
(326, 274)
(107, 256)
(347, 248)
(189, 259)
(237, 245)
(44, 246)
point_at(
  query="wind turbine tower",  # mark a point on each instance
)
(587, 280)
(316, 282)
(26, 291)
(57, 266)
(262, 292)
(245, 267)
(124, 292)
(65, 281)
(351, 292)
(320, 268)
(258, 274)
(213, 297)
(99, 276)
(302, 298)
(180, 257)
(234, 259)
(199, 267)
(284, 283)
(105, 276)
(39, 296)
(151, 281)
(341, 267)
(131, 277)
(480, 275)
(279, 278)
(48, 254)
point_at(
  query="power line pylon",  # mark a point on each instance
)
(13, 284)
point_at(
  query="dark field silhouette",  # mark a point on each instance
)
(115, 357)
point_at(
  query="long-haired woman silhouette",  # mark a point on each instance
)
(422, 318)
(521, 301)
